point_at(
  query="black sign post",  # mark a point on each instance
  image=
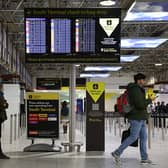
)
(95, 135)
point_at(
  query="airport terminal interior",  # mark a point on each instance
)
(63, 66)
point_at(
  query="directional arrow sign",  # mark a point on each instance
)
(109, 25)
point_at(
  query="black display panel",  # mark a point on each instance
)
(35, 35)
(48, 84)
(56, 83)
(90, 35)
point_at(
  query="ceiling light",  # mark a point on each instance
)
(145, 11)
(103, 68)
(94, 75)
(107, 3)
(158, 64)
(142, 42)
(128, 58)
(77, 65)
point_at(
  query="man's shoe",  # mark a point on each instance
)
(3, 156)
(147, 161)
(116, 157)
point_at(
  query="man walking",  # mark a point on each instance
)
(137, 118)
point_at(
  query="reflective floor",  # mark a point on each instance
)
(130, 158)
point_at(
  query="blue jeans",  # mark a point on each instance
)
(138, 130)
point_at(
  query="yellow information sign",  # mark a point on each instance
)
(41, 96)
(95, 89)
(150, 93)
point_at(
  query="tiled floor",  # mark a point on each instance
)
(130, 158)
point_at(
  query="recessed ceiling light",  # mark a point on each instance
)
(94, 75)
(103, 68)
(142, 42)
(128, 58)
(107, 3)
(158, 64)
(147, 11)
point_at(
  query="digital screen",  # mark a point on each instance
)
(35, 35)
(85, 35)
(148, 11)
(42, 118)
(60, 35)
(42, 115)
(55, 35)
(48, 84)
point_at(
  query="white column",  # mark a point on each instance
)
(72, 94)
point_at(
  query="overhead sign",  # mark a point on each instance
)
(42, 115)
(109, 25)
(95, 89)
(150, 93)
(72, 35)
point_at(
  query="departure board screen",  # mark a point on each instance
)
(85, 35)
(35, 35)
(72, 35)
(60, 35)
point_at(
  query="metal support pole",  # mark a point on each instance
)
(166, 125)
(162, 127)
(149, 132)
(53, 142)
(19, 125)
(32, 141)
(115, 126)
(72, 92)
(15, 126)
(11, 127)
(153, 127)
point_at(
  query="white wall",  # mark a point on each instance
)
(12, 95)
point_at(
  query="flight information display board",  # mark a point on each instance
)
(60, 36)
(35, 35)
(85, 35)
(90, 35)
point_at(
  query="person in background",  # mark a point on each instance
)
(115, 108)
(65, 115)
(167, 108)
(154, 106)
(158, 107)
(3, 117)
(137, 119)
(163, 107)
(163, 112)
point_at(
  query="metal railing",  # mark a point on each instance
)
(17, 126)
(115, 123)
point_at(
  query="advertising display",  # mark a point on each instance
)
(42, 115)
(72, 35)
(95, 135)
